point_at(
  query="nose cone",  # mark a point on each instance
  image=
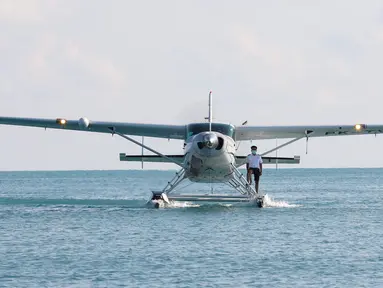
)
(210, 140)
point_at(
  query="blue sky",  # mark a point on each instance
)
(268, 62)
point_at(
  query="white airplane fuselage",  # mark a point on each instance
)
(209, 157)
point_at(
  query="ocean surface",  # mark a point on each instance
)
(321, 228)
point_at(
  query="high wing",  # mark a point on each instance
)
(83, 124)
(274, 132)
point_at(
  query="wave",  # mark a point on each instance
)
(133, 203)
(72, 202)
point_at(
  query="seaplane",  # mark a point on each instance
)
(210, 150)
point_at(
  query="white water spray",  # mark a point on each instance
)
(177, 204)
(270, 202)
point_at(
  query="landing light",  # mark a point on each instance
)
(359, 127)
(60, 121)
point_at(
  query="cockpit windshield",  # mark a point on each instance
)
(225, 129)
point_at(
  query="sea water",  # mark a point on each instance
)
(321, 228)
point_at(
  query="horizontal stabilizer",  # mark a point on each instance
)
(151, 158)
(241, 160)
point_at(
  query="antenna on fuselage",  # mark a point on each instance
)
(210, 110)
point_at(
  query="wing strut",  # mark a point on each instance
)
(142, 154)
(307, 140)
(113, 130)
(276, 154)
(307, 133)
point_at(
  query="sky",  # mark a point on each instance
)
(268, 62)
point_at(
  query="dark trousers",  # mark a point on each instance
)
(256, 173)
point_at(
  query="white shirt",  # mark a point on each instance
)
(254, 160)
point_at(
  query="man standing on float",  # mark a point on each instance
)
(254, 166)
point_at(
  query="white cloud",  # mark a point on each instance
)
(52, 56)
(39, 58)
(20, 10)
(101, 67)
